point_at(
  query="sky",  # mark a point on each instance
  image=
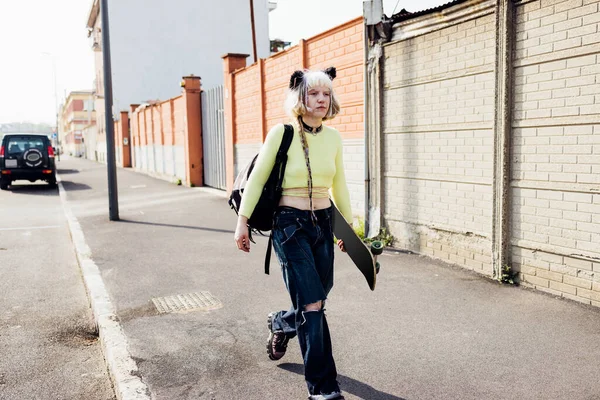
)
(38, 37)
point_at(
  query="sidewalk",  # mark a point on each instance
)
(428, 331)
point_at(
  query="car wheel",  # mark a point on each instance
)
(52, 183)
(4, 185)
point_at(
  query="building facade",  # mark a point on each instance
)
(77, 114)
(164, 42)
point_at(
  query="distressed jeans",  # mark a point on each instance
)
(305, 252)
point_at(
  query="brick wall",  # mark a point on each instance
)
(556, 148)
(438, 141)
(245, 97)
(438, 126)
(166, 137)
(258, 93)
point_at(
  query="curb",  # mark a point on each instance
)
(123, 370)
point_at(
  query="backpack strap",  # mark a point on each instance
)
(280, 162)
(281, 159)
(268, 255)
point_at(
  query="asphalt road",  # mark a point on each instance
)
(48, 345)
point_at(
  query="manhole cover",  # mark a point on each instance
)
(196, 301)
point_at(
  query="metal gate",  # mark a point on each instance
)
(213, 138)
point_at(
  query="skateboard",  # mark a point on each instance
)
(363, 256)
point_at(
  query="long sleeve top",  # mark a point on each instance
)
(326, 163)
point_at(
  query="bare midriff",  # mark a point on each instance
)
(298, 198)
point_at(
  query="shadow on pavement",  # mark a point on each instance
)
(67, 171)
(200, 228)
(68, 185)
(42, 189)
(349, 385)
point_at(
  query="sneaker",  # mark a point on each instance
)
(330, 396)
(277, 342)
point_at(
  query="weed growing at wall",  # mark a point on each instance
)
(384, 235)
(508, 275)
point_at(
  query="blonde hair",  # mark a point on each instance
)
(295, 103)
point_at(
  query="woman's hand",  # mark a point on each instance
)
(241, 237)
(340, 244)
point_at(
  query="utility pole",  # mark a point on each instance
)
(253, 29)
(113, 197)
(58, 151)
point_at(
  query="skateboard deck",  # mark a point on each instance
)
(363, 257)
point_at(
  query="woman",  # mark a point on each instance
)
(302, 230)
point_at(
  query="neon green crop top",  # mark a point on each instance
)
(326, 163)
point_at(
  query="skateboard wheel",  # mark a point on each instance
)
(377, 248)
(377, 267)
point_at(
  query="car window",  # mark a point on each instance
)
(19, 145)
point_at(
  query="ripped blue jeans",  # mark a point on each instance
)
(305, 252)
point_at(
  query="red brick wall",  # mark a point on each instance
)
(342, 47)
(174, 122)
(179, 121)
(247, 86)
(278, 69)
(160, 124)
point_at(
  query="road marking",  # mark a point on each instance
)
(137, 186)
(30, 228)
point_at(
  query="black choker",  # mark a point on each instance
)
(310, 129)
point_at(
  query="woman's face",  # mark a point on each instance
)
(318, 101)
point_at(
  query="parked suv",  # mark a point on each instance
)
(26, 157)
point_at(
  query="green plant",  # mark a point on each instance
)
(178, 182)
(508, 275)
(383, 236)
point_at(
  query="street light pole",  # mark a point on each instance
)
(113, 197)
(253, 29)
(56, 113)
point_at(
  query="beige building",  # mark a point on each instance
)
(77, 114)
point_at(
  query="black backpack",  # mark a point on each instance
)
(262, 216)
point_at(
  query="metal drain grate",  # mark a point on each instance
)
(198, 301)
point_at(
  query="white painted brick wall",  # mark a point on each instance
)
(354, 163)
(438, 172)
(243, 154)
(438, 113)
(556, 148)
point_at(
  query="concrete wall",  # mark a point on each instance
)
(90, 135)
(440, 140)
(158, 139)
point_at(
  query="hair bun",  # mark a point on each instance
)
(296, 79)
(331, 72)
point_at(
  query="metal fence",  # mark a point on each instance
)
(213, 138)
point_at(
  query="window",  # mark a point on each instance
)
(21, 144)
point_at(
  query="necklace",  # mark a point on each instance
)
(310, 129)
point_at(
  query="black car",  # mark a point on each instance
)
(26, 157)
